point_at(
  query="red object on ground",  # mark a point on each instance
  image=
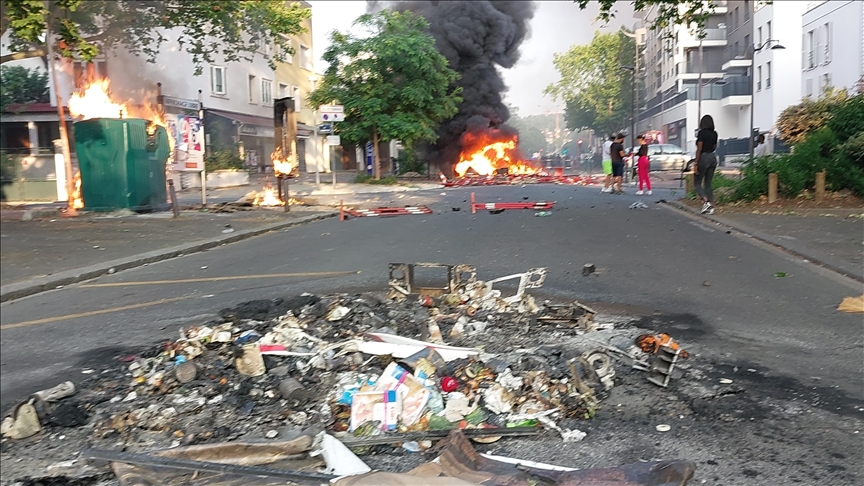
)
(385, 211)
(449, 384)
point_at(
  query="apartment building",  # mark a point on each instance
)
(777, 47)
(677, 59)
(832, 41)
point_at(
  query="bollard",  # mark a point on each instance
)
(690, 185)
(174, 204)
(473, 209)
(341, 210)
(772, 187)
(820, 186)
(287, 197)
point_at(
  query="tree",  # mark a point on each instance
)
(80, 29)
(19, 85)
(393, 83)
(809, 116)
(684, 12)
(598, 92)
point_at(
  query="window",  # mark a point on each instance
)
(290, 44)
(827, 35)
(759, 79)
(86, 72)
(735, 19)
(767, 75)
(824, 82)
(768, 29)
(746, 45)
(759, 32)
(298, 97)
(305, 58)
(746, 10)
(266, 91)
(217, 81)
(808, 90)
(252, 89)
(810, 46)
(283, 90)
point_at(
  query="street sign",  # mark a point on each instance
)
(370, 154)
(331, 117)
(331, 109)
(325, 128)
(334, 140)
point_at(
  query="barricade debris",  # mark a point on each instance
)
(372, 369)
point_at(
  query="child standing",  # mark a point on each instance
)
(643, 166)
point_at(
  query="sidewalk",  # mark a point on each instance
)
(42, 254)
(305, 186)
(828, 237)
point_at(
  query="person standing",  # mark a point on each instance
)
(762, 147)
(607, 164)
(705, 163)
(618, 154)
(642, 165)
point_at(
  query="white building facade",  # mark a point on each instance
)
(775, 87)
(832, 43)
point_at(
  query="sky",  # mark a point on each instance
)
(556, 26)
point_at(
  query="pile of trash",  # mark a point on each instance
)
(407, 367)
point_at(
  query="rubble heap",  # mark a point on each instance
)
(360, 366)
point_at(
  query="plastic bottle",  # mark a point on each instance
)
(543, 214)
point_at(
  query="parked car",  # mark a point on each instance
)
(662, 157)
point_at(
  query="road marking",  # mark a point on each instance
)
(220, 279)
(93, 313)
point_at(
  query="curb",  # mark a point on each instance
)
(68, 277)
(766, 240)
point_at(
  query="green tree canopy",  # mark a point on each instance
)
(597, 91)
(19, 85)
(668, 13)
(80, 28)
(392, 81)
(797, 121)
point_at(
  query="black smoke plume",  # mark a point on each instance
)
(476, 37)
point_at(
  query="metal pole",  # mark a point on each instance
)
(699, 87)
(320, 155)
(174, 204)
(752, 97)
(287, 196)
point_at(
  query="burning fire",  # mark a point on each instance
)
(484, 156)
(267, 197)
(95, 101)
(281, 163)
(77, 201)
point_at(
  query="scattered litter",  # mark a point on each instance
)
(588, 269)
(780, 274)
(638, 205)
(725, 381)
(663, 428)
(706, 283)
(228, 230)
(852, 304)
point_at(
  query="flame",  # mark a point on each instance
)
(483, 155)
(77, 202)
(281, 163)
(94, 100)
(267, 197)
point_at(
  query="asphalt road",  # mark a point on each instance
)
(714, 291)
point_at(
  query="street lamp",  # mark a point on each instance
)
(754, 48)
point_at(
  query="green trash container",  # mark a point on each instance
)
(122, 165)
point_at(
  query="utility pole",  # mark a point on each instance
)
(64, 134)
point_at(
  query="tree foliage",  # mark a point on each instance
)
(797, 121)
(19, 85)
(81, 28)
(668, 13)
(392, 81)
(597, 91)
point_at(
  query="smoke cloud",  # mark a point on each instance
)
(477, 38)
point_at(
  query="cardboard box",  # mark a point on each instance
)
(384, 407)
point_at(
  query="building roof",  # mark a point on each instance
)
(21, 108)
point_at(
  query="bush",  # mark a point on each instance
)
(848, 120)
(408, 162)
(796, 122)
(368, 179)
(223, 159)
(848, 169)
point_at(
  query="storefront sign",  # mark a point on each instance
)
(248, 129)
(171, 102)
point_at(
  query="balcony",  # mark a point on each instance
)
(713, 38)
(737, 91)
(708, 66)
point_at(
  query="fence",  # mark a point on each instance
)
(25, 177)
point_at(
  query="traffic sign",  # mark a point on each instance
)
(325, 128)
(331, 117)
(331, 109)
(334, 140)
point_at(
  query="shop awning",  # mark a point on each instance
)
(250, 125)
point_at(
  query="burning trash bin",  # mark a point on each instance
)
(122, 164)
